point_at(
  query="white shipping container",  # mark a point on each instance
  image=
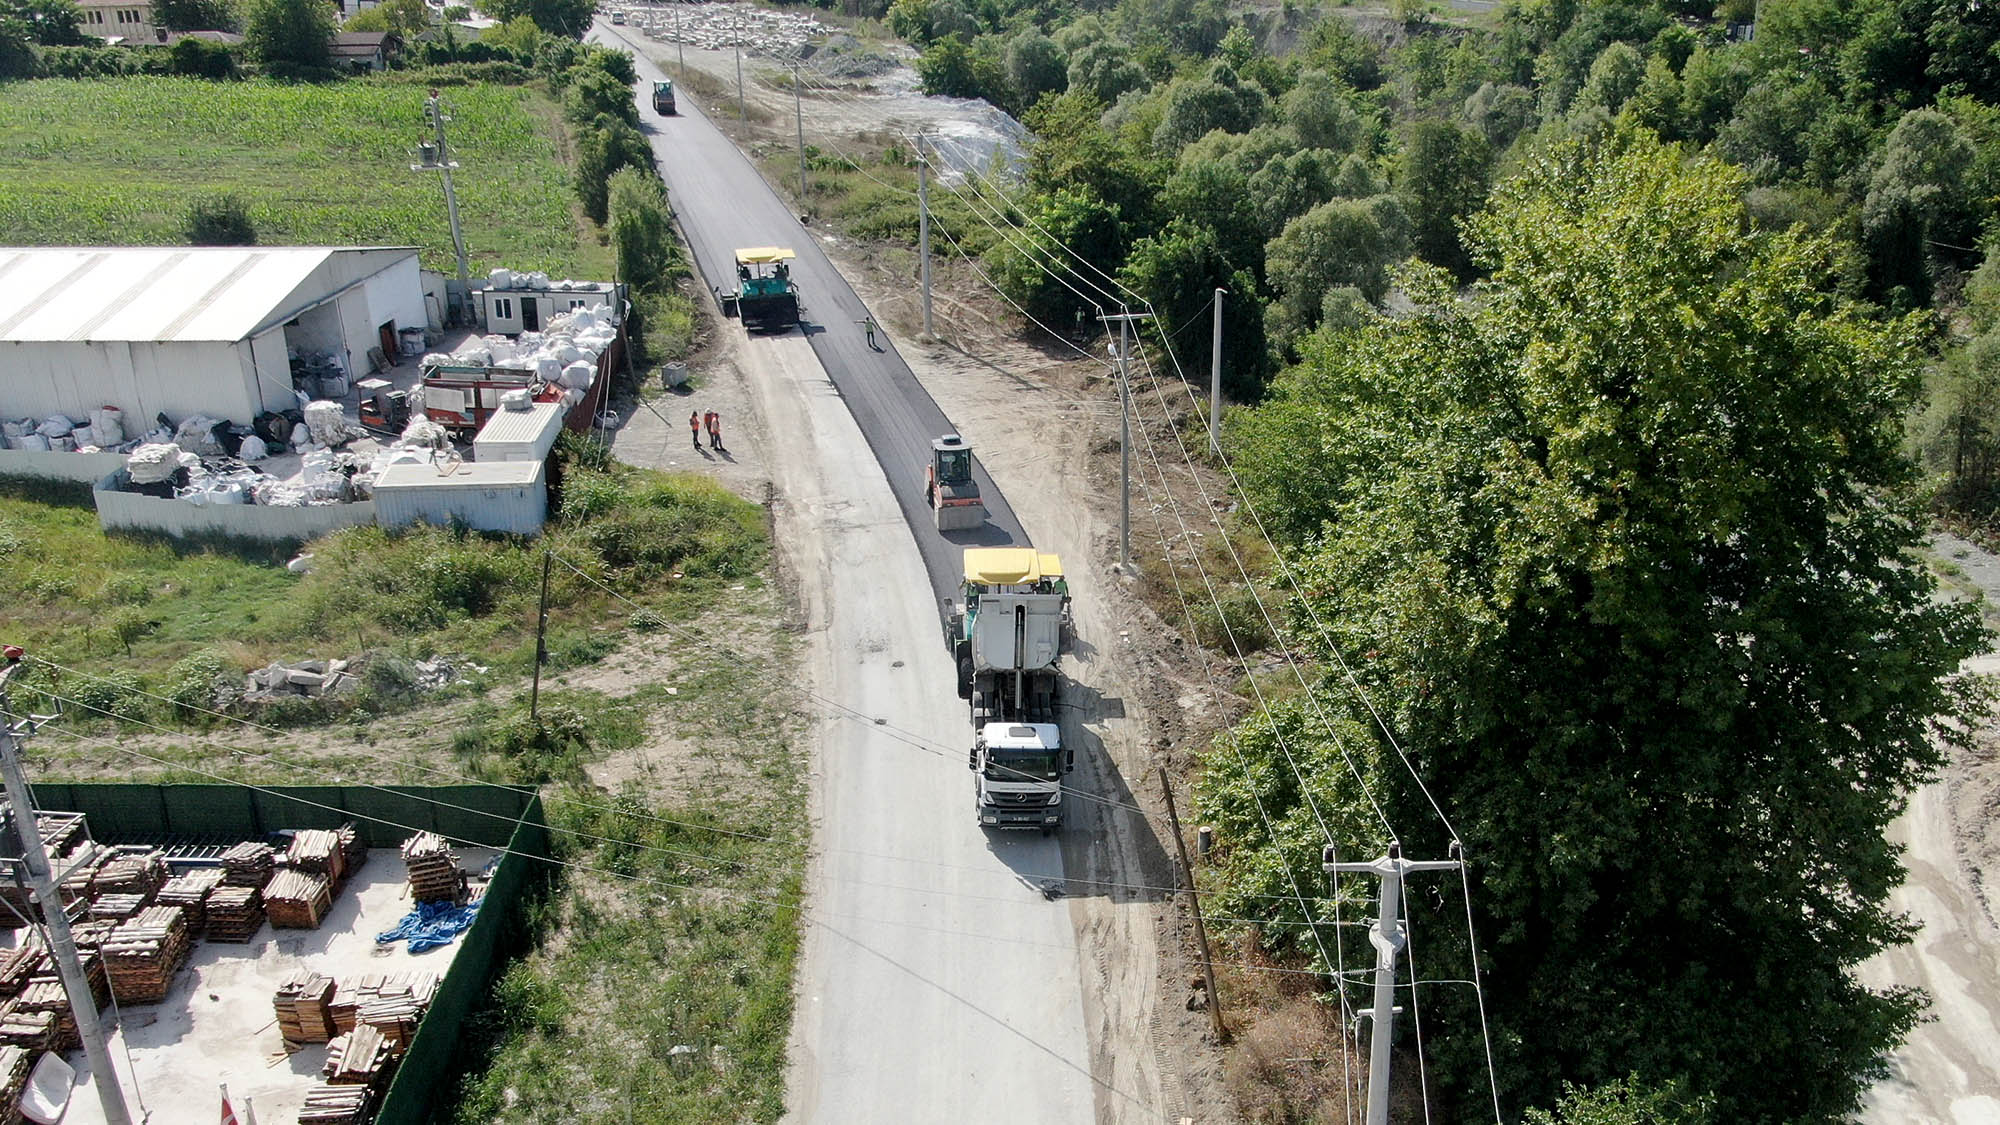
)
(519, 435)
(508, 496)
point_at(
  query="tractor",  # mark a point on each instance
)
(949, 488)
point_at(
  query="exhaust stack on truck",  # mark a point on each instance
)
(1006, 637)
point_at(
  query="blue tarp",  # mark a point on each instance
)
(430, 925)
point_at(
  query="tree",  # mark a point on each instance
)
(198, 58)
(1319, 110)
(1500, 112)
(954, 68)
(290, 38)
(1216, 194)
(1178, 271)
(1446, 170)
(1048, 283)
(1104, 69)
(567, 18)
(195, 15)
(602, 148)
(1035, 66)
(521, 37)
(1289, 186)
(1614, 77)
(407, 18)
(1195, 108)
(48, 23)
(593, 92)
(642, 233)
(1624, 1102)
(1916, 207)
(1341, 242)
(1623, 554)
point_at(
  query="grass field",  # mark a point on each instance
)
(118, 161)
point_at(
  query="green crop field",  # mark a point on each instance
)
(118, 161)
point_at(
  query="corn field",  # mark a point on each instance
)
(119, 161)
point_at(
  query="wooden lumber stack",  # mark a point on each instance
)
(93, 975)
(19, 965)
(297, 900)
(33, 1030)
(49, 996)
(190, 893)
(302, 1002)
(14, 1066)
(142, 955)
(353, 853)
(90, 935)
(318, 851)
(117, 907)
(248, 865)
(433, 868)
(79, 870)
(142, 874)
(336, 1105)
(397, 989)
(235, 913)
(361, 1057)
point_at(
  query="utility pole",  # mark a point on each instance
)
(680, 41)
(1215, 380)
(441, 161)
(1388, 936)
(799, 116)
(1194, 900)
(742, 115)
(541, 651)
(82, 1004)
(924, 230)
(1124, 317)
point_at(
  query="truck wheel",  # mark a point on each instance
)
(965, 677)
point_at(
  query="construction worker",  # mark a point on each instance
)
(868, 326)
(694, 427)
(714, 430)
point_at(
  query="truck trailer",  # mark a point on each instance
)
(1006, 636)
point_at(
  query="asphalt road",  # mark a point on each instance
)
(936, 982)
(724, 204)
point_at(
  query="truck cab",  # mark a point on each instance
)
(1018, 770)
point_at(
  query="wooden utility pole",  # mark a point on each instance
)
(1200, 929)
(541, 650)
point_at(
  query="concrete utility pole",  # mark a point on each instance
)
(1388, 936)
(83, 1005)
(1124, 317)
(680, 42)
(1215, 380)
(924, 231)
(442, 162)
(799, 116)
(737, 42)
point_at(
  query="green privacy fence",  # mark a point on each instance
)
(489, 816)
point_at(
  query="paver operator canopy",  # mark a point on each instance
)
(765, 296)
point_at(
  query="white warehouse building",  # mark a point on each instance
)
(181, 330)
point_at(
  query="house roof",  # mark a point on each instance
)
(156, 293)
(361, 44)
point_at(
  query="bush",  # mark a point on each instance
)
(1233, 623)
(551, 748)
(114, 696)
(199, 58)
(220, 220)
(199, 684)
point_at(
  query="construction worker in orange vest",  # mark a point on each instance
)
(694, 427)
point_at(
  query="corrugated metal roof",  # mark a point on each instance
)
(148, 293)
(521, 426)
(466, 474)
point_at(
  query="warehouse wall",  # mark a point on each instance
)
(39, 378)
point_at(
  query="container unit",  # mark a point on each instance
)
(508, 496)
(519, 435)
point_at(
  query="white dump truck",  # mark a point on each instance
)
(1006, 635)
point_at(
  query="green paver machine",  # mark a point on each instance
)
(765, 298)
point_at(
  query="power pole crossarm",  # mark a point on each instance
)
(1389, 936)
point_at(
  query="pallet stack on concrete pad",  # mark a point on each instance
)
(318, 851)
(337, 1105)
(20, 965)
(90, 936)
(433, 867)
(297, 900)
(14, 1066)
(50, 996)
(126, 873)
(248, 865)
(116, 908)
(190, 892)
(353, 851)
(235, 914)
(34, 1030)
(361, 1057)
(303, 1004)
(142, 955)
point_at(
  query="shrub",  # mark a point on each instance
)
(220, 220)
(114, 696)
(201, 683)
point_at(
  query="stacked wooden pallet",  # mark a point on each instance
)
(433, 868)
(361, 1057)
(248, 865)
(297, 900)
(302, 1003)
(93, 975)
(143, 955)
(318, 850)
(91, 935)
(80, 869)
(49, 996)
(116, 907)
(14, 1066)
(235, 913)
(61, 834)
(142, 874)
(336, 1105)
(395, 1016)
(190, 893)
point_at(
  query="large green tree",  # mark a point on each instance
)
(1624, 553)
(567, 18)
(290, 38)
